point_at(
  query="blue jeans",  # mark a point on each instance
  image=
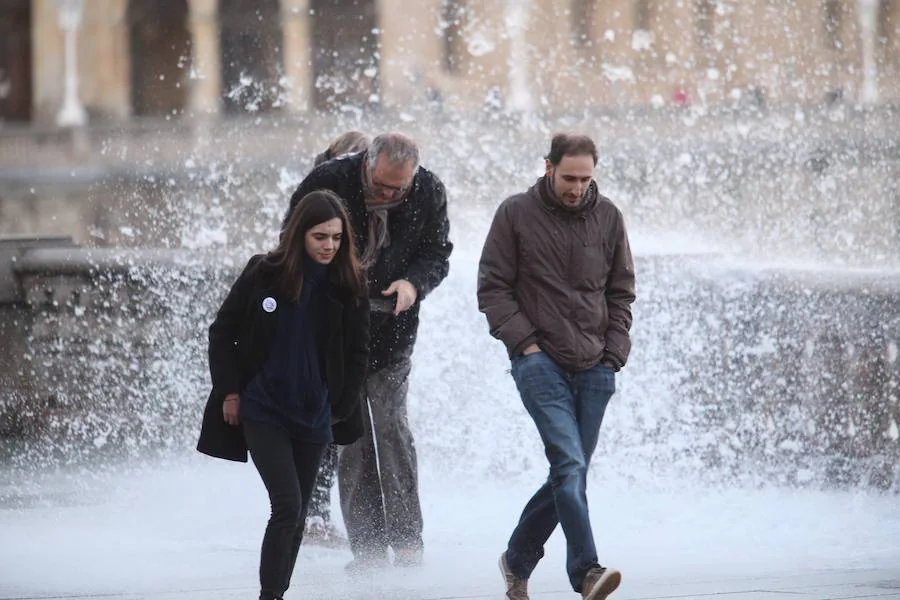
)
(567, 408)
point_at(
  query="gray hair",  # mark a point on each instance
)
(396, 148)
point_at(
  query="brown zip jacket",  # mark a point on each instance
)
(558, 277)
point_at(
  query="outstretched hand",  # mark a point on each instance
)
(406, 295)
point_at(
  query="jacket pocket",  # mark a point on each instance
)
(593, 267)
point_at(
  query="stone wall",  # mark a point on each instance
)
(104, 350)
(784, 375)
(739, 372)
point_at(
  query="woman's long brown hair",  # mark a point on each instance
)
(314, 209)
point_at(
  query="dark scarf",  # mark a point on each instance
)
(552, 200)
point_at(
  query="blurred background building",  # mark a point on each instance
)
(148, 146)
(152, 58)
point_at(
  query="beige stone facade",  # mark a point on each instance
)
(219, 57)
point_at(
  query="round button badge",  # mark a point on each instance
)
(269, 304)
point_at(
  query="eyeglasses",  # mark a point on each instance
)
(384, 189)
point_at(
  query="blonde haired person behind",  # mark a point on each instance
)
(349, 142)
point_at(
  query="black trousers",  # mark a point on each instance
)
(288, 469)
(320, 504)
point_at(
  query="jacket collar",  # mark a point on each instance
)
(550, 202)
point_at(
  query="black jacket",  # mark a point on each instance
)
(419, 250)
(239, 341)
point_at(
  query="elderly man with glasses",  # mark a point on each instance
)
(398, 210)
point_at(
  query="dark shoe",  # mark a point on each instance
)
(362, 564)
(408, 557)
(516, 588)
(599, 583)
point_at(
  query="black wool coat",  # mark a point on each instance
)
(239, 343)
(419, 251)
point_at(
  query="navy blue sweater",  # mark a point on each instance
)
(290, 389)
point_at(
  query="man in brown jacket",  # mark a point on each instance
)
(556, 282)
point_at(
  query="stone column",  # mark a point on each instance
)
(71, 113)
(206, 57)
(410, 52)
(296, 30)
(868, 31)
(519, 83)
(104, 53)
(393, 16)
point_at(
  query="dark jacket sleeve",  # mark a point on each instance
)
(497, 274)
(432, 261)
(356, 357)
(224, 354)
(619, 297)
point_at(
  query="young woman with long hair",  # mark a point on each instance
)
(288, 352)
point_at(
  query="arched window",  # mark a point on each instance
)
(705, 30)
(252, 64)
(345, 53)
(15, 60)
(643, 15)
(160, 56)
(453, 22)
(582, 21)
(833, 17)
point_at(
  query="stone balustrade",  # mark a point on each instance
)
(784, 373)
(105, 348)
(771, 374)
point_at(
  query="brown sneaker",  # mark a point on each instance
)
(516, 589)
(599, 583)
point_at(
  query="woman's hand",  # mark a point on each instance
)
(231, 409)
